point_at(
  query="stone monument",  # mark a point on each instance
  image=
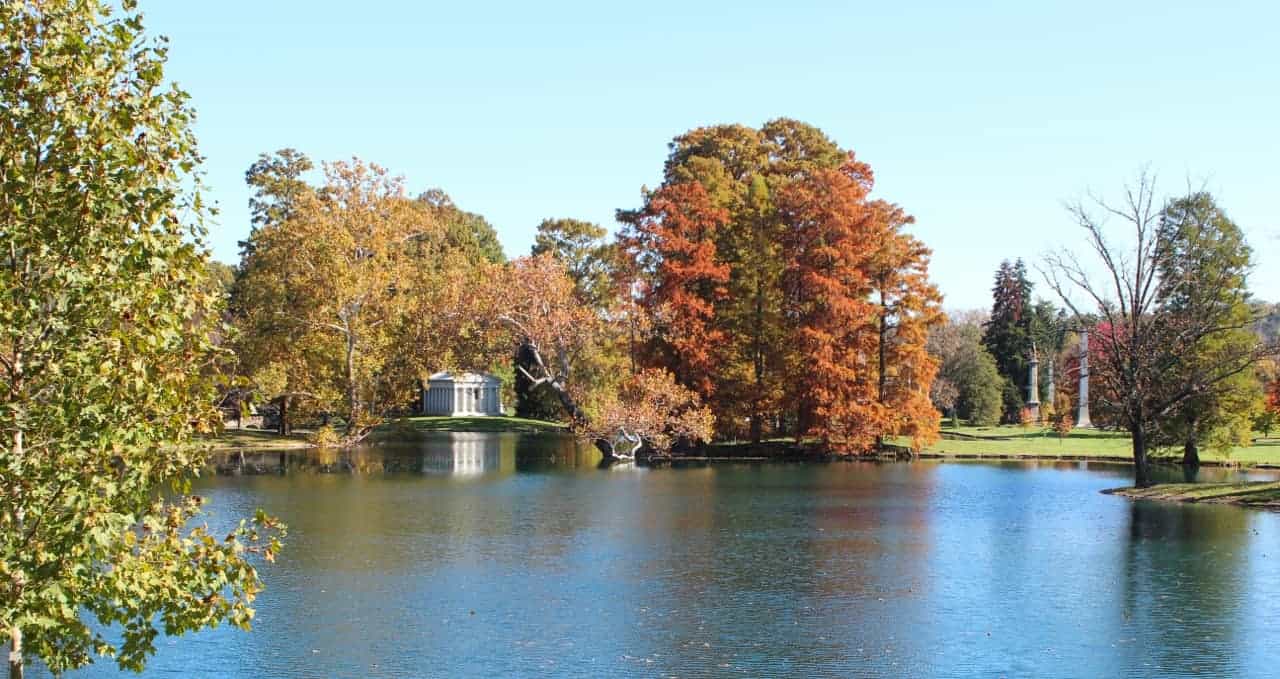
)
(1082, 408)
(1033, 385)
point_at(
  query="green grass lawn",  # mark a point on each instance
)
(258, 438)
(1044, 442)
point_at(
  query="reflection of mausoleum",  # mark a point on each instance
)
(465, 453)
(466, 394)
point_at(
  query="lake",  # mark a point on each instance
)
(504, 555)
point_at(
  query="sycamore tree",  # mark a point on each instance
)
(583, 250)
(327, 289)
(105, 333)
(577, 352)
(532, 304)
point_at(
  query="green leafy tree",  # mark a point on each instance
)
(278, 183)
(105, 322)
(221, 279)
(582, 247)
(1161, 300)
(1204, 264)
(464, 232)
(276, 364)
(965, 363)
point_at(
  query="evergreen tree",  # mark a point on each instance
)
(1008, 334)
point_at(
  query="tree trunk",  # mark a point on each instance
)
(1191, 449)
(884, 330)
(353, 404)
(15, 634)
(282, 427)
(15, 653)
(802, 422)
(757, 430)
(576, 415)
(882, 387)
(1141, 467)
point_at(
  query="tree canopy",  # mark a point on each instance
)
(1169, 305)
(771, 277)
(106, 324)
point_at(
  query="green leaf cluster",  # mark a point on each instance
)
(107, 323)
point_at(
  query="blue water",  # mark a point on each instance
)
(499, 555)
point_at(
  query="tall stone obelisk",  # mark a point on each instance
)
(1033, 385)
(1051, 388)
(1082, 408)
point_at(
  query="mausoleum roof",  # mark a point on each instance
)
(464, 378)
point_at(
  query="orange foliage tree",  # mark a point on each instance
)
(909, 305)
(679, 281)
(796, 304)
(828, 246)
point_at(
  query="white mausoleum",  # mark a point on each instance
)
(464, 394)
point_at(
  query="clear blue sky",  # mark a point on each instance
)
(979, 118)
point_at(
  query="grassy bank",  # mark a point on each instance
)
(1265, 494)
(235, 439)
(1041, 442)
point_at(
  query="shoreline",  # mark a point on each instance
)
(1259, 494)
(408, 430)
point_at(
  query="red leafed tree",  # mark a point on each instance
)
(671, 242)
(829, 240)
(1271, 410)
(909, 305)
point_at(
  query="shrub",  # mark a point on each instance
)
(325, 437)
